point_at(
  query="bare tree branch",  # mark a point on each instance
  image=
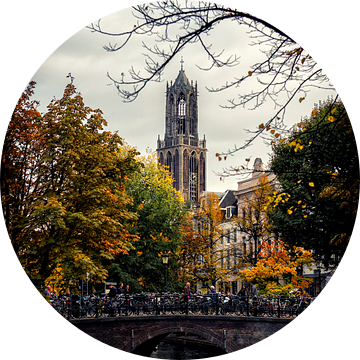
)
(285, 72)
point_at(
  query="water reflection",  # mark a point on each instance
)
(169, 348)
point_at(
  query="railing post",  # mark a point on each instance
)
(126, 303)
(247, 305)
(278, 306)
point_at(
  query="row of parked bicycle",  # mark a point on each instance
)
(157, 304)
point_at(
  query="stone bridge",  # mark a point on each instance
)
(140, 334)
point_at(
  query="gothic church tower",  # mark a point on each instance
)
(181, 150)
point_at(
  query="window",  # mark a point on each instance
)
(230, 211)
(182, 105)
(169, 162)
(193, 172)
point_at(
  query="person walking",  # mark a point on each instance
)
(213, 293)
(112, 292)
(120, 289)
(243, 293)
(253, 291)
(127, 290)
(187, 291)
(48, 293)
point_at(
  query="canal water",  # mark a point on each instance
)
(167, 350)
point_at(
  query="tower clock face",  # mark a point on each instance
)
(193, 177)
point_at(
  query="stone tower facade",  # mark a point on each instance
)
(181, 150)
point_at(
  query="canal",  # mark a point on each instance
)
(174, 347)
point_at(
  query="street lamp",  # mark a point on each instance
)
(165, 259)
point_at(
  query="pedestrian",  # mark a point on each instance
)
(253, 291)
(112, 292)
(48, 292)
(127, 290)
(187, 292)
(120, 289)
(213, 293)
(243, 293)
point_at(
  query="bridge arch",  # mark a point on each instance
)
(149, 338)
(228, 333)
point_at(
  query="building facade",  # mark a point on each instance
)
(236, 245)
(181, 150)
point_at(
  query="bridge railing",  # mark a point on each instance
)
(148, 304)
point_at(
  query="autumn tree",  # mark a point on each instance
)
(253, 220)
(276, 271)
(74, 210)
(206, 258)
(160, 210)
(20, 156)
(317, 166)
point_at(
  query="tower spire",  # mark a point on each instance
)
(182, 62)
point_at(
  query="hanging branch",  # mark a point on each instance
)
(286, 70)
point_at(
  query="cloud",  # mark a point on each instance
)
(142, 121)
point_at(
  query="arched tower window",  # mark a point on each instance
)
(193, 177)
(161, 158)
(169, 162)
(182, 105)
(172, 106)
(192, 112)
(176, 169)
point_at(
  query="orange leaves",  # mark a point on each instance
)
(276, 262)
(80, 171)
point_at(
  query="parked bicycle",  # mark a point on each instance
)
(148, 304)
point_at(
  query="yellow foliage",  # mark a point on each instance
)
(276, 262)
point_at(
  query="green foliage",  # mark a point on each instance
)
(318, 169)
(159, 210)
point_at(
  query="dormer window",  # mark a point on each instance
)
(230, 211)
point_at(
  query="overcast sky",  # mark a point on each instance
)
(141, 121)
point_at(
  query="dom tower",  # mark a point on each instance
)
(181, 150)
